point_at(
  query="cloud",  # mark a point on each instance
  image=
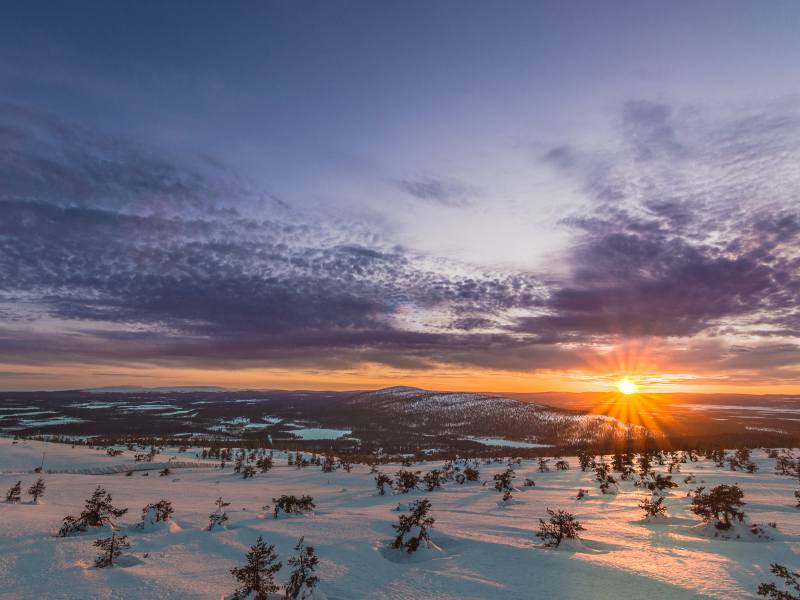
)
(113, 251)
(436, 191)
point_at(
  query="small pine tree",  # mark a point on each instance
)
(562, 465)
(382, 479)
(791, 580)
(562, 526)
(214, 519)
(265, 463)
(433, 480)
(407, 480)
(722, 503)
(502, 481)
(221, 504)
(37, 489)
(112, 548)
(292, 505)
(797, 497)
(238, 463)
(259, 573)
(581, 493)
(97, 513)
(302, 581)
(472, 474)
(162, 509)
(586, 460)
(15, 493)
(329, 464)
(165, 472)
(653, 509)
(543, 464)
(528, 483)
(412, 528)
(248, 472)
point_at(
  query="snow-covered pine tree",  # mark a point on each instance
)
(161, 509)
(347, 465)
(302, 581)
(165, 472)
(112, 548)
(790, 579)
(797, 497)
(265, 463)
(653, 509)
(581, 493)
(412, 528)
(562, 465)
(722, 503)
(543, 464)
(220, 516)
(258, 575)
(502, 481)
(292, 505)
(562, 526)
(661, 483)
(406, 480)
(585, 459)
(238, 463)
(329, 464)
(528, 483)
(221, 504)
(98, 511)
(15, 493)
(433, 480)
(382, 479)
(472, 474)
(37, 489)
(248, 471)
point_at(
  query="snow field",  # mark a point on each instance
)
(482, 550)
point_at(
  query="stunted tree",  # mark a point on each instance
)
(162, 511)
(653, 509)
(258, 575)
(219, 517)
(15, 493)
(433, 480)
(292, 505)
(112, 548)
(37, 489)
(303, 581)
(165, 472)
(543, 464)
(382, 479)
(561, 526)
(406, 480)
(722, 503)
(329, 464)
(412, 529)
(97, 513)
(586, 460)
(791, 580)
(472, 474)
(248, 472)
(265, 463)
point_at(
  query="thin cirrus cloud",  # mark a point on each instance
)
(689, 235)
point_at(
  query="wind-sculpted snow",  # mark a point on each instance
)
(465, 415)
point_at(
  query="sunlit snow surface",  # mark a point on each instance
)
(485, 551)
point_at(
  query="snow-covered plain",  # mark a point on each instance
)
(485, 550)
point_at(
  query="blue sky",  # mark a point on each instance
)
(525, 195)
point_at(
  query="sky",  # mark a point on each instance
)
(522, 196)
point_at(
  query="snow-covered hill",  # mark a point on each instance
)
(479, 416)
(485, 551)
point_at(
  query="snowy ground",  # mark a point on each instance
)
(487, 551)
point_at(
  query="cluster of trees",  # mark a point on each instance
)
(291, 505)
(257, 577)
(14, 494)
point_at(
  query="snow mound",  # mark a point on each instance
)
(423, 554)
(573, 545)
(150, 524)
(741, 532)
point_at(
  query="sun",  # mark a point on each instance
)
(626, 386)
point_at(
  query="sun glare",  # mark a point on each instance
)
(626, 386)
